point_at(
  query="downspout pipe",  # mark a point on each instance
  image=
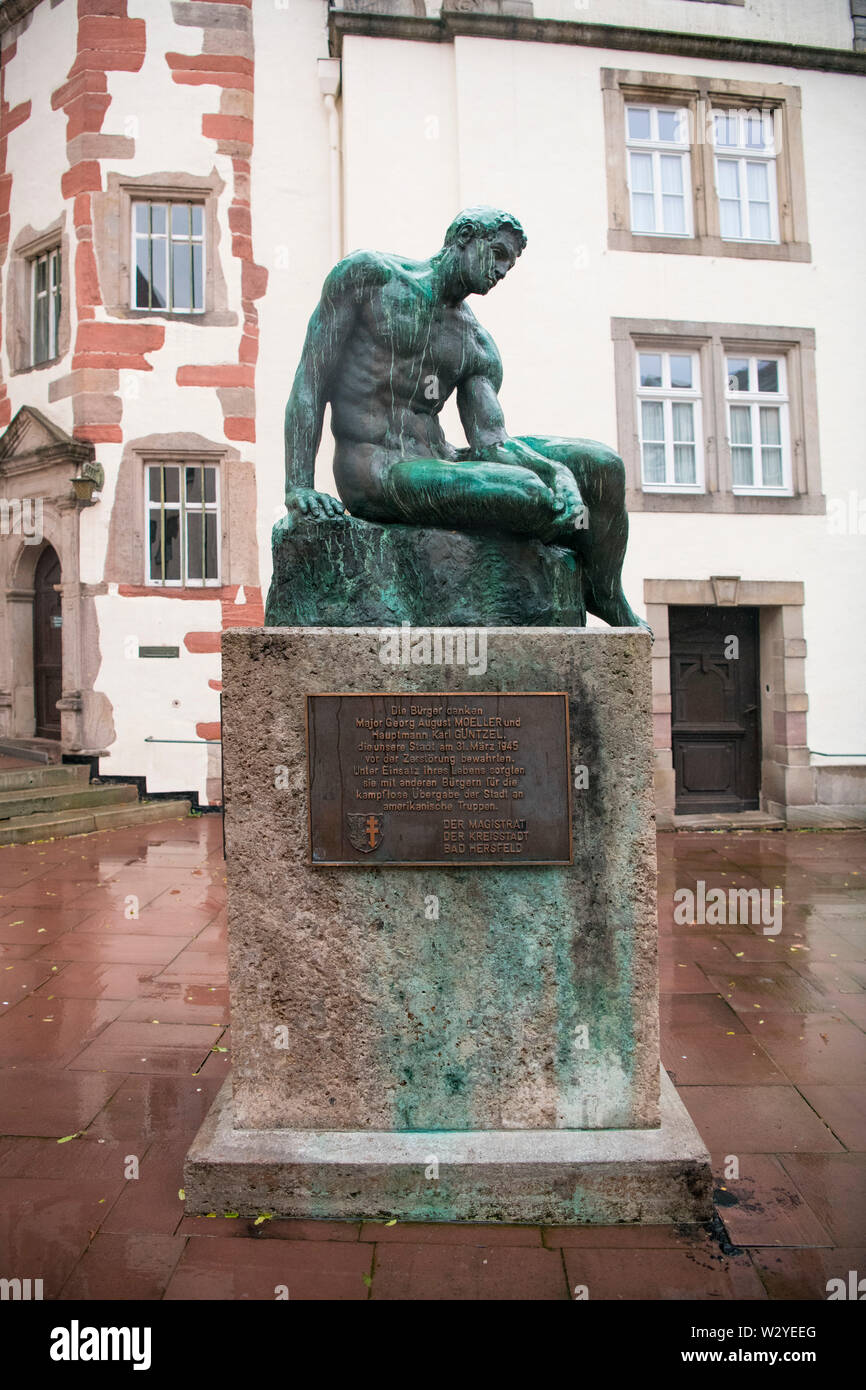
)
(329, 85)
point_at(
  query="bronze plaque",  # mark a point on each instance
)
(439, 778)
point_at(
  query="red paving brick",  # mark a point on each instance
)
(834, 1185)
(71, 1102)
(736, 1057)
(150, 1203)
(820, 1047)
(150, 1047)
(665, 1274)
(780, 1089)
(844, 1109)
(46, 1225)
(53, 1030)
(762, 1206)
(436, 1233)
(242, 1269)
(227, 1227)
(757, 1119)
(804, 1274)
(680, 1237)
(124, 1267)
(144, 1107)
(476, 1272)
(80, 1158)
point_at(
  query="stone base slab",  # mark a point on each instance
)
(536, 1177)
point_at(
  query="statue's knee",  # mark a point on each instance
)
(611, 476)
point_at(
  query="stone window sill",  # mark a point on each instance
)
(210, 318)
(621, 239)
(725, 502)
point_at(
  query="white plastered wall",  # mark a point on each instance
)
(527, 122)
(36, 158)
(291, 224)
(824, 23)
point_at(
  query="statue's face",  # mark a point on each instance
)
(484, 263)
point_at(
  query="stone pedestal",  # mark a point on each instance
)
(353, 573)
(444, 1043)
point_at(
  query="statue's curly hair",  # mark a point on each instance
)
(485, 222)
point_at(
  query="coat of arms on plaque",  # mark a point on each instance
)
(364, 831)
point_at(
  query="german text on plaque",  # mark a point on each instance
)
(444, 778)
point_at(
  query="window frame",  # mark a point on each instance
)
(113, 242)
(18, 307)
(702, 97)
(742, 154)
(755, 399)
(168, 202)
(714, 343)
(52, 256)
(669, 396)
(215, 508)
(655, 147)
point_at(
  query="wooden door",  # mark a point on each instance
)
(715, 716)
(47, 636)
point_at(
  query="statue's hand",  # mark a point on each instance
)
(318, 506)
(570, 505)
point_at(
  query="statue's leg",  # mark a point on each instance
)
(600, 476)
(466, 496)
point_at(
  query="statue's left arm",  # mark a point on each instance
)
(484, 424)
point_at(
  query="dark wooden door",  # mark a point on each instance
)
(715, 716)
(47, 636)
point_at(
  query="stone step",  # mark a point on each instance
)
(38, 750)
(44, 775)
(24, 830)
(46, 800)
(719, 820)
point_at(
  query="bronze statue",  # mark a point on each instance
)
(388, 343)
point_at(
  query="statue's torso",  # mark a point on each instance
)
(403, 359)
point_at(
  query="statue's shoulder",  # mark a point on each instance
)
(483, 340)
(362, 271)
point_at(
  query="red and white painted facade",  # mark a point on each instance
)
(161, 97)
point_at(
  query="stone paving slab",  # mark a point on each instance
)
(777, 1212)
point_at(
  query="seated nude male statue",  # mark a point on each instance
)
(388, 343)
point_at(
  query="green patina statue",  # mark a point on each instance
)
(389, 342)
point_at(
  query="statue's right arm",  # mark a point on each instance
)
(327, 333)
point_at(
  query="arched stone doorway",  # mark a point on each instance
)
(49, 637)
(47, 643)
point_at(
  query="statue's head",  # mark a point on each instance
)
(485, 242)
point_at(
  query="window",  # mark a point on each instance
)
(758, 424)
(717, 417)
(659, 173)
(182, 503)
(170, 263)
(669, 403)
(36, 298)
(746, 175)
(46, 302)
(168, 256)
(704, 166)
